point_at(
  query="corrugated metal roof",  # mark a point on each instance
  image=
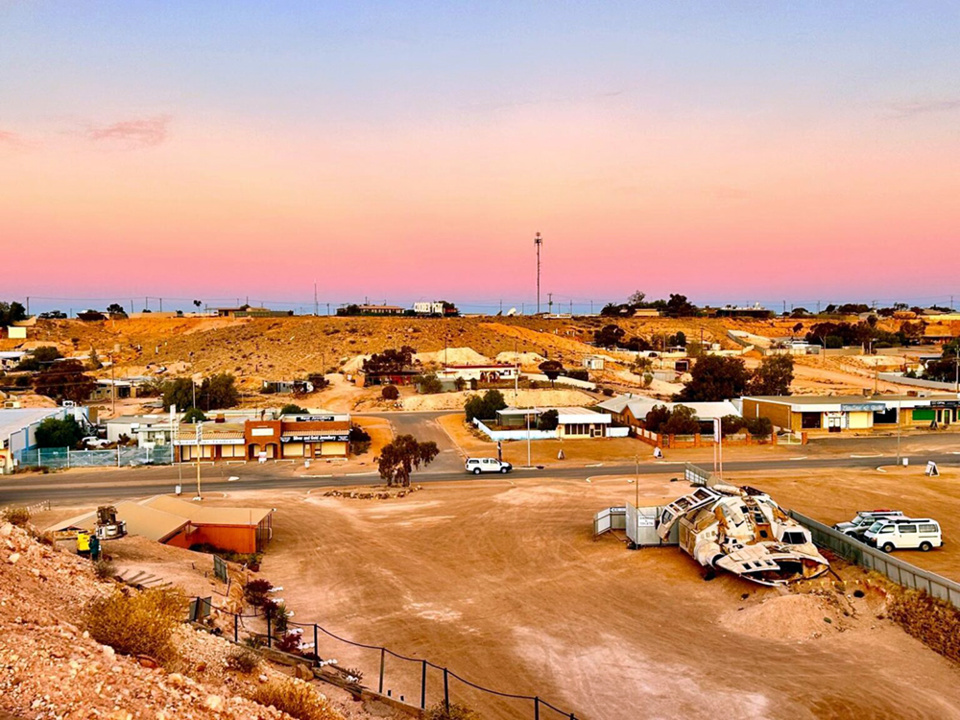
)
(151, 523)
(208, 515)
(14, 420)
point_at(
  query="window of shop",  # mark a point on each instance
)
(810, 420)
(885, 417)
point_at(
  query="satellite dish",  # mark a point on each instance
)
(511, 312)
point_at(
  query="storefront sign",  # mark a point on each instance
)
(315, 418)
(944, 403)
(315, 438)
(262, 432)
(863, 407)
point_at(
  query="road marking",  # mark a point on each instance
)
(880, 469)
(867, 456)
(316, 476)
(595, 465)
(363, 474)
(800, 457)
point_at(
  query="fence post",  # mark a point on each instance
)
(536, 708)
(118, 455)
(383, 660)
(39, 457)
(316, 646)
(68, 458)
(423, 685)
(236, 627)
(446, 691)
(269, 628)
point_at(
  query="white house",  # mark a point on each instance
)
(491, 372)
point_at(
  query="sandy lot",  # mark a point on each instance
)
(503, 582)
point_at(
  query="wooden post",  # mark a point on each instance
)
(316, 646)
(536, 708)
(423, 685)
(446, 691)
(236, 628)
(383, 660)
(269, 628)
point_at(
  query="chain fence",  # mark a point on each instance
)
(61, 458)
(414, 681)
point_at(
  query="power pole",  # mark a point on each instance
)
(28, 306)
(316, 306)
(538, 241)
(328, 308)
(161, 304)
(571, 308)
(550, 303)
(501, 306)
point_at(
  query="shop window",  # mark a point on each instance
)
(810, 421)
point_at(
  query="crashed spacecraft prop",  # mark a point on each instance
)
(743, 531)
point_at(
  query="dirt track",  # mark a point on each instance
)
(503, 583)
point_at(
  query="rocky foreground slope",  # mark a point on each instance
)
(50, 667)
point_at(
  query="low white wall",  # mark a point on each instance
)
(562, 380)
(515, 434)
(618, 432)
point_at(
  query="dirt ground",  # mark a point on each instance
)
(503, 582)
(833, 496)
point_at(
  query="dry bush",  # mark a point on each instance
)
(456, 712)
(933, 621)
(18, 516)
(296, 698)
(138, 624)
(243, 660)
(104, 569)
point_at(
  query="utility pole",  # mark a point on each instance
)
(161, 304)
(316, 306)
(113, 386)
(538, 241)
(199, 438)
(328, 308)
(28, 306)
(501, 306)
(571, 308)
(591, 307)
(550, 303)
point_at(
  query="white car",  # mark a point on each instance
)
(94, 442)
(905, 534)
(864, 519)
(487, 465)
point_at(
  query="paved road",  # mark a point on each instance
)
(424, 427)
(141, 482)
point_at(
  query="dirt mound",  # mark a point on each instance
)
(452, 356)
(787, 617)
(524, 398)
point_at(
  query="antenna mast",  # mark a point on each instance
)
(538, 241)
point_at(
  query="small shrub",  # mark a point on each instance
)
(456, 712)
(389, 392)
(104, 569)
(608, 392)
(353, 672)
(255, 642)
(281, 616)
(243, 659)
(255, 592)
(18, 516)
(288, 643)
(138, 624)
(294, 697)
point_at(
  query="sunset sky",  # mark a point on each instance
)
(733, 151)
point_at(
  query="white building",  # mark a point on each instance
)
(491, 372)
(147, 430)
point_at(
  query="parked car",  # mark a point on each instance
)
(94, 442)
(864, 519)
(904, 534)
(482, 465)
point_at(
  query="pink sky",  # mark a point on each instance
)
(783, 177)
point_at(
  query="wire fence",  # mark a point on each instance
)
(414, 681)
(60, 458)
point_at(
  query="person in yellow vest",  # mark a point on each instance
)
(83, 543)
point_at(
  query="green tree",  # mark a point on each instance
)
(400, 457)
(194, 415)
(715, 378)
(773, 376)
(656, 417)
(178, 392)
(292, 409)
(430, 384)
(56, 433)
(39, 358)
(548, 420)
(389, 361)
(65, 380)
(730, 424)
(552, 369)
(389, 392)
(218, 391)
(116, 309)
(12, 312)
(608, 336)
(682, 421)
(485, 407)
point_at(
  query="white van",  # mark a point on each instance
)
(479, 465)
(904, 533)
